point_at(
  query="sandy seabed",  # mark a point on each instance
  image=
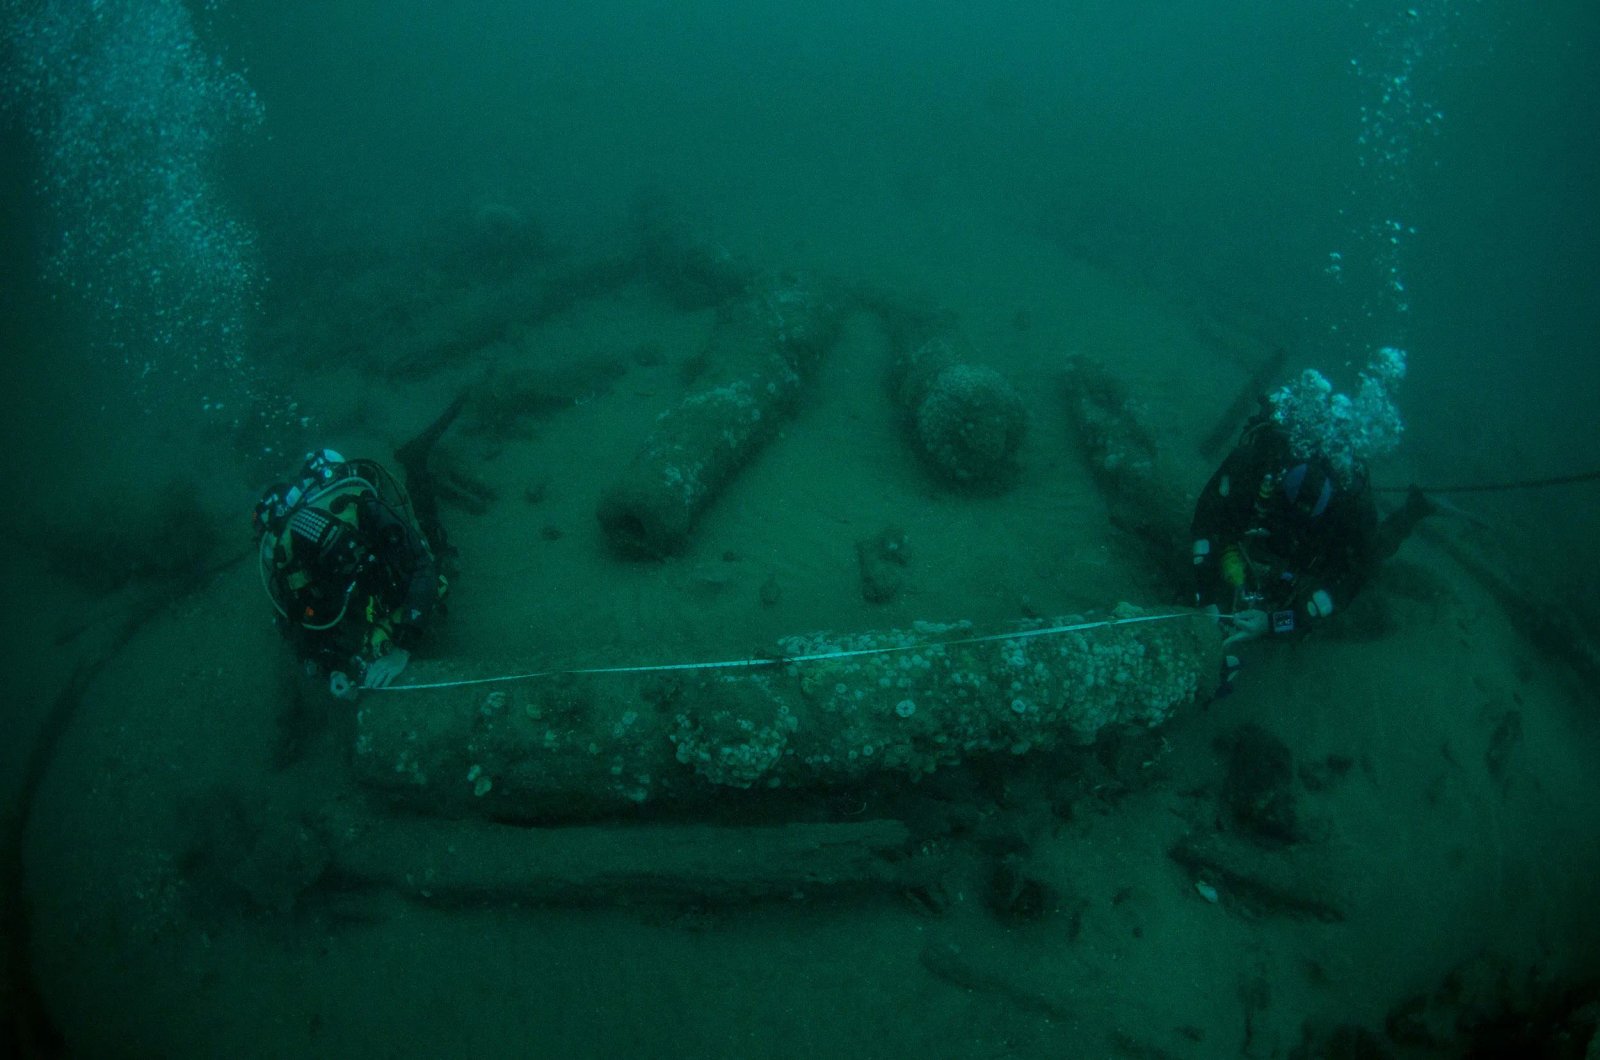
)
(1458, 840)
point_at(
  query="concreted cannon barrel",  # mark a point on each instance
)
(762, 351)
(965, 421)
(828, 711)
(1142, 499)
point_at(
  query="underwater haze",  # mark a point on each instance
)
(233, 232)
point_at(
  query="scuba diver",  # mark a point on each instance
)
(352, 565)
(1286, 532)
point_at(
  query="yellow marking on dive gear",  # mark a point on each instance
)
(1233, 569)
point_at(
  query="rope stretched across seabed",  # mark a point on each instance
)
(1501, 487)
(784, 660)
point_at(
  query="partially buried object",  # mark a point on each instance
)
(966, 422)
(1142, 499)
(882, 560)
(764, 349)
(889, 706)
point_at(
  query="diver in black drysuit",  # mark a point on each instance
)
(351, 561)
(1281, 543)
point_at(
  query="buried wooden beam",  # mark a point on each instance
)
(1244, 403)
(1547, 627)
(454, 861)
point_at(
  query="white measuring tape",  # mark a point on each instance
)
(735, 664)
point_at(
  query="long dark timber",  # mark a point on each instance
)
(455, 861)
(1244, 402)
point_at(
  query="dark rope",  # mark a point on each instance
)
(1499, 487)
(27, 1025)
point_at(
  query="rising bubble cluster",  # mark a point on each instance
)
(1406, 43)
(129, 110)
(1349, 431)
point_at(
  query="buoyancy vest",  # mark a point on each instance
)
(312, 560)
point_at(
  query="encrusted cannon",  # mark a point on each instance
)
(764, 349)
(827, 711)
(965, 421)
(1142, 499)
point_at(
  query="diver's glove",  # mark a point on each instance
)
(1247, 625)
(1320, 605)
(384, 669)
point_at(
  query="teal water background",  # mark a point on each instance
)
(1175, 187)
